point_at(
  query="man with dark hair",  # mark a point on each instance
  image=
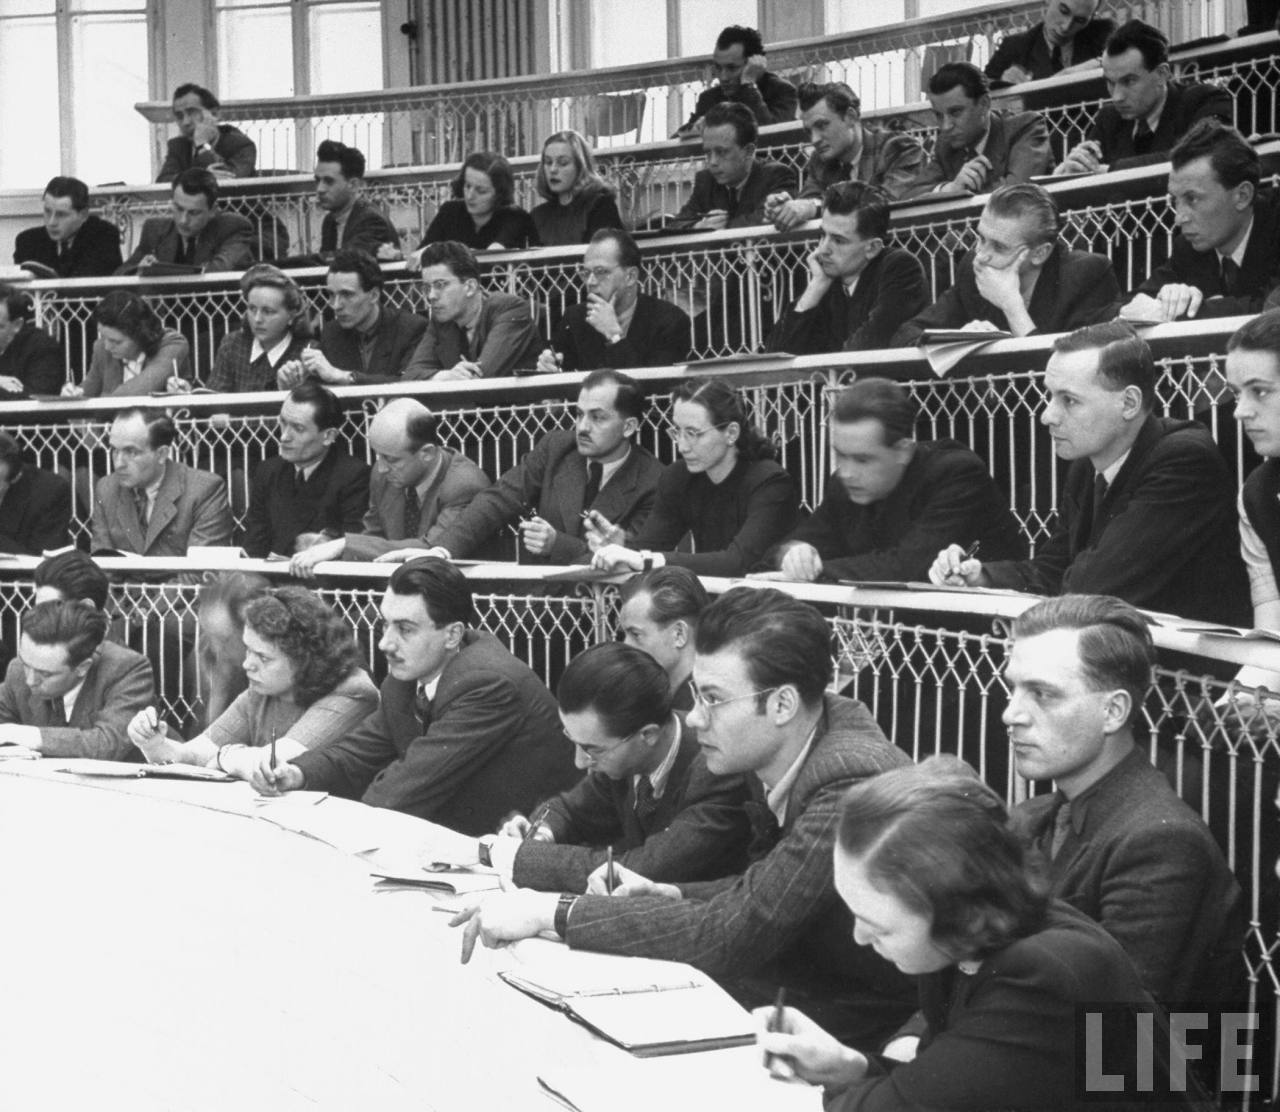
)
(70, 692)
(763, 665)
(647, 791)
(464, 733)
(1147, 511)
(72, 241)
(730, 191)
(742, 76)
(313, 490)
(658, 614)
(35, 505)
(1019, 277)
(30, 359)
(204, 143)
(590, 476)
(349, 222)
(1067, 36)
(419, 489)
(151, 504)
(71, 576)
(979, 149)
(197, 234)
(617, 325)
(892, 500)
(368, 341)
(1148, 110)
(844, 149)
(1226, 251)
(861, 289)
(473, 332)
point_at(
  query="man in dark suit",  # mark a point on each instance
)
(367, 341)
(977, 149)
(730, 191)
(70, 692)
(197, 234)
(1226, 252)
(617, 326)
(647, 791)
(349, 222)
(72, 242)
(419, 488)
(30, 359)
(593, 472)
(762, 668)
(1147, 511)
(1114, 840)
(1019, 277)
(35, 505)
(893, 501)
(312, 490)
(1149, 111)
(151, 504)
(1067, 36)
(204, 143)
(742, 77)
(464, 733)
(861, 288)
(472, 333)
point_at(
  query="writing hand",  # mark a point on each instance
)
(802, 563)
(951, 569)
(801, 1048)
(549, 362)
(537, 534)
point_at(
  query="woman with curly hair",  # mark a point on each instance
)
(134, 353)
(306, 688)
(576, 201)
(484, 215)
(276, 330)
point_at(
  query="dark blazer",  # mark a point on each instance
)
(332, 499)
(1257, 277)
(781, 921)
(1030, 50)
(191, 508)
(454, 484)
(506, 340)
(746, 208)
(891, 160)
(1075, 288)
(1166, 538)
(493, 744)
(396, 335)
(772, 99)
(366, 229)
(945, 495)
(1140, 862)
(106, 372)
(890, 291)
(1184, 105)
(553, 478)
(698, 830)
(35, 512)
(94, 253)
(232, 147)
(1017, 147)
(659, 335)
(34, 357)
(511, 226)
(227, 243)
(117, 686)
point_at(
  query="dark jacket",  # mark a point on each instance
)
(511, 226)
(1017, 147)
(396, 335)
(945, 496)
(890, 291)
(35, 512)
(1184, 106)
(332, 499)
(1030, 50)
(772, 99)
(232, 147)
(659, 335)
(891, 160)
(94, 253)
(226, 243)
(1261, 497)
(745, 206)
(366, 229)
(35, 357)
(505, 340)
(1166, 537)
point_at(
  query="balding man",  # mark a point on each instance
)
(418, 489)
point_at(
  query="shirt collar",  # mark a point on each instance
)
(777, 796)
(424, 484)
(659, 776)
(133, 367)
(851, 284)
(154, 488)
(1153, 120)
(1110, 473)
(310, 469)
(275, 354)
(610, 469)
(980, 147)
(1081, 804)
(69, 700)
(1237, 256)
(428, 690)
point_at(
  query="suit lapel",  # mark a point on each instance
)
(165, 510)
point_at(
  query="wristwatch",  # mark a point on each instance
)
(485, 844)
(563, 906)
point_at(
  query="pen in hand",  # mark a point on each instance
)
(610, 880)
(777, 1064)
(273, 749)
(535, 820)
(971, 551)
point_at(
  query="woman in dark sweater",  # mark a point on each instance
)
(727, 491)
(576, 201)
(484, 216)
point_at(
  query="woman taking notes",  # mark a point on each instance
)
(306, 687)
(484, 216)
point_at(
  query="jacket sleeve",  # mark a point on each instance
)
(777, 179)
(454, 502)
(927, 180)
(372, 232)
(211, 519)
(425, 361)
(156, 371)
(490, 509)
(348, 765)
(603, 213)
(239, 152)
(45, 373)
(903, 292)
(353, 500)
(171, 167)
(697, 205)
(1005, 55)
(100, 533)
(511, 337)
(333, 716)
(236, 251)
(668, 343)
(108, 737)
(1099, 299)
(257, 531)
(146, 246)
(946, 312)
(904, 162)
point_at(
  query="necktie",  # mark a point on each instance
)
(188, 251)
(144, 508)
(412, 513)
(595, 472)
(1099, 496)
(422, 707)
(1055, 58)
(299, 480)
(765, 831)
(1061, 828)
(57, 712)
(1230, 272)
(1143, 138)
(646, 803)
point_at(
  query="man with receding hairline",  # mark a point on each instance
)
(742, 77)
(204, 141)
(1069, 35)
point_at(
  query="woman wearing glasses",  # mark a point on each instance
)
(727, 491)
(306, 688)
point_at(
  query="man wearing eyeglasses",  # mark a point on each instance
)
(617, 326)
(1019, 277)
(761, 673)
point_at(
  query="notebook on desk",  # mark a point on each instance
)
(123, 770)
